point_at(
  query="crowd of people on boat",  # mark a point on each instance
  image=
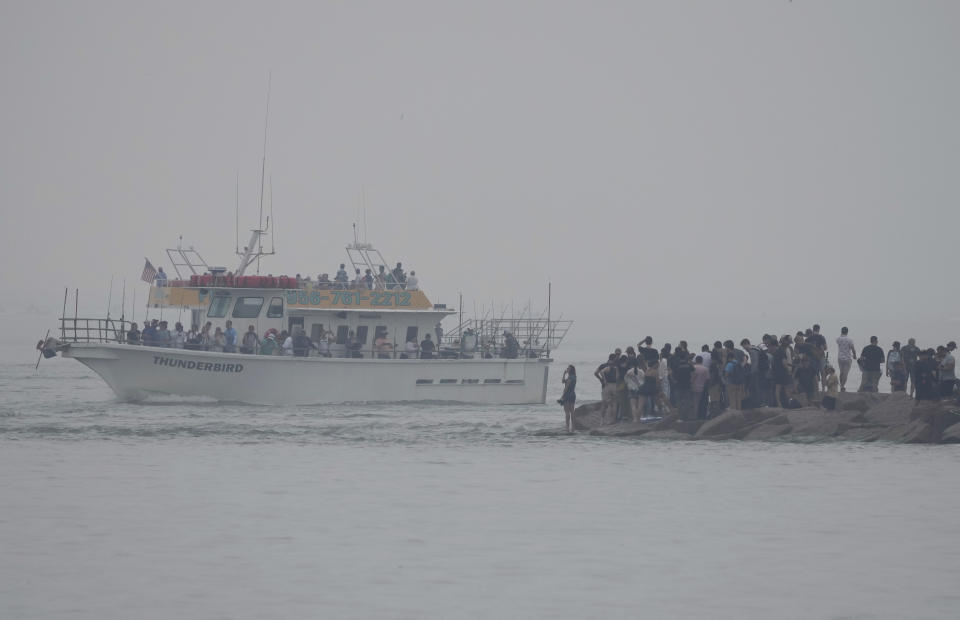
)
(789, 372)
(383, 279)
(297, 343)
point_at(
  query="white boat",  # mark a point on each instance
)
(476, 363)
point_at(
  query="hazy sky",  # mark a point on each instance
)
(668, 160)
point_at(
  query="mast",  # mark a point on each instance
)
(263, 168)
(549, 295)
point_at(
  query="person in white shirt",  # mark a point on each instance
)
(413, 283)
(846, 353)
(287, 347)
(410, 349)
(634, 378)
(705, 354)
(179, 337)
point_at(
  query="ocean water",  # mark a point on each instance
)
(191, 509)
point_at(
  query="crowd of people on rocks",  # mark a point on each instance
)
(789, 372)
(297, 343)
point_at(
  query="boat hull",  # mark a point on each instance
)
(137, 372)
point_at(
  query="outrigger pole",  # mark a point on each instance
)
(109, 298)
(123, 308)
(40, 356)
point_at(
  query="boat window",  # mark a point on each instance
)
(379, 332)
(316, 332)
(218, 306)
(247, 307)
(342, 332)
(275, 310)
(448, 380)
(362, 334)
(412, 334)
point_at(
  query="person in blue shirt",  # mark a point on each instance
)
(231, 336)
(161, 278)
(149, 335)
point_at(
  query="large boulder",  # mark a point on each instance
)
(892, 410)
(724, 425)
(623, 429)
(940, 415)
(951, 435)
(675, 422)
(587, 416)
(916, 431)
(767, 431)
(859, 401)
(816, 423)
(732, 421)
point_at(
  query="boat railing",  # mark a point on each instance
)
(79, 329)
(287, 283)
(534, 336)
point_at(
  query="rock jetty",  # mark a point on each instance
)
(858, 417)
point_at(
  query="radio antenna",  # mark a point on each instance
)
(263, 168)
(238, 211)
(363, 212)
(273, 240)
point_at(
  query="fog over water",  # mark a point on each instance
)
(678, 165)
(686, 170)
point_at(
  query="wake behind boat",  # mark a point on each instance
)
(376, 338)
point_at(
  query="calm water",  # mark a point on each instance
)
(199, 510)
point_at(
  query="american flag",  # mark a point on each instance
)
(149, 273)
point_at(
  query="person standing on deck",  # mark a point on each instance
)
(398, 276)
(231, 336)
(410, 349)
(133, 335)
(250, 341)
(427, 348)
(269, 345)
(178, 338)
(218, 341)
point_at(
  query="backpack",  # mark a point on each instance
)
(763, 363)
(739, 374)
(682, 374)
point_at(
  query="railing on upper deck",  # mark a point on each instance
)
(281, 282)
